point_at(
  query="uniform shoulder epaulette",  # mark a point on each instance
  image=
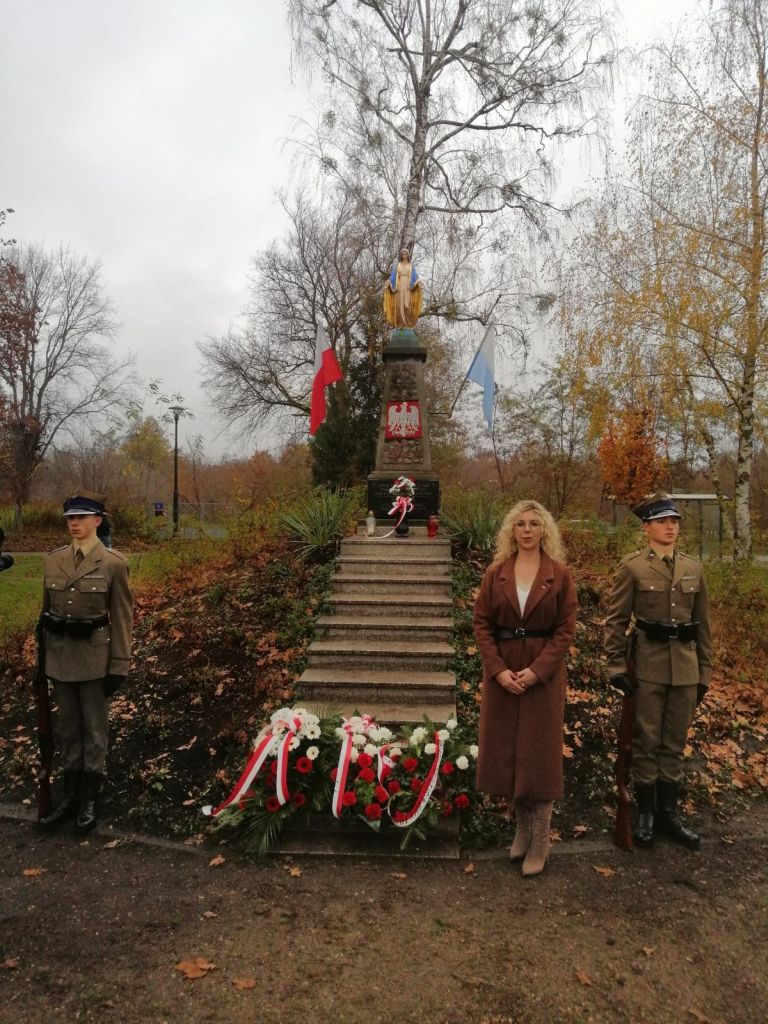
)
(630, 556)
(691, 558)
(117, 554)
(61, 548)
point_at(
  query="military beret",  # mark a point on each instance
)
(656, 506)
(85, 503)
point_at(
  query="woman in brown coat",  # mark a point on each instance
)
(525, 620)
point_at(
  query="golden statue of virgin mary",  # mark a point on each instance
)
(403, 293)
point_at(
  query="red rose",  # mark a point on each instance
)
(381, 794)
(373, 812)
(348, 799)
(416, 785)
(273, 767)
(395, 757)
(299, 800)
(364, 760)
(272, 804)
(393, 787)
(410, 764)
(461, 802)
(385, 771)
(333, 773)
(399, 816)
(270, 781)
(447, 808)
(446, 768)
(303, 765)
(366, 775)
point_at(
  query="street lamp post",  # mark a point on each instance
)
(177, 410)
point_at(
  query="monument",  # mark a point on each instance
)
(403, 447)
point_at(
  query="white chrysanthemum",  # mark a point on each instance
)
(430, 748)
(354, 754)
(280, 717)
(418, 735)
(359, 739)
(313, 752)
(443, 734)
(356, 723)
(311, 731)
(371, 748)
(300, 712)
(451, 724)
(473, 751)
(341, 733)
(395, 752)
(295, 742)
(385, 734)
(462, 763)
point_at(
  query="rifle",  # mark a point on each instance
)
(622, 829)
(44, 727)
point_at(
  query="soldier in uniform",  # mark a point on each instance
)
(87, 620)
(663, 592)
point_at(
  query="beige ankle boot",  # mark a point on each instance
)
(538, 851)
(519, 847)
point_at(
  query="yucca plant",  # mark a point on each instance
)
(320, 520)
(473, 519)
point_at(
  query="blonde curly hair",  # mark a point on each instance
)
(551, 542)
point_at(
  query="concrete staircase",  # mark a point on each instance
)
(385, 647)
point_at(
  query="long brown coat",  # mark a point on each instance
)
(521, 737)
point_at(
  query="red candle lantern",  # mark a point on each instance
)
(432, 524)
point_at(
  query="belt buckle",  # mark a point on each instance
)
(520, 633)
(674, 631)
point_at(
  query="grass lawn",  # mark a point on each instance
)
(21, 589)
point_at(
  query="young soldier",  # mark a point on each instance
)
(664, 592)
(87, 620)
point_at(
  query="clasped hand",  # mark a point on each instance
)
(517, 682)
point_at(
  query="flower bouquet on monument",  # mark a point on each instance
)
(402, 492)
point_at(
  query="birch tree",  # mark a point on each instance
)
(453, 106)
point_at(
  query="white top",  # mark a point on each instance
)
(522, 596)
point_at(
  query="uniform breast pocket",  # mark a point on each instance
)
(93, 592)
(688, 591)
(651, 599)
(55, 586)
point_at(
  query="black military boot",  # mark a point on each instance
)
(668, 821)
(89, 790)
(67, 805)
(645, 795)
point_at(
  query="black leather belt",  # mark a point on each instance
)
(661, 631)
(77, 628)
(521, 633)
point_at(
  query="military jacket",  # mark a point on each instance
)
(644, 586)
(98, 585)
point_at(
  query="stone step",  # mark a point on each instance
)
(382, 627)
(365, 685)
(403, 656)
(393, 564)
(411, 547)
(415, 532)
(413, 605)
(394, 714)
(346, 582)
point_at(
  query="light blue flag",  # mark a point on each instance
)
(483, 372)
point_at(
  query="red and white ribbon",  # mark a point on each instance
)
(383, 760)
(402, 504)
(292, 727)
(427, 787)
(261, 752)
(367, 724)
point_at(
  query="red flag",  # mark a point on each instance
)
(327, 370)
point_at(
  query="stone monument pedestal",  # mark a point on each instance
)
(403, 446)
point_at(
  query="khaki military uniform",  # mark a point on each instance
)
(78, 665)
(668, 671)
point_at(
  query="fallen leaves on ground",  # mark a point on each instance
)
(196, 968)
(112, 844)
(602, 870)
(10, 963)
(33, 872)
(216, 861)
(243, 984)
(582, 977)
(397, 874)
(469, 869)
(292, 870)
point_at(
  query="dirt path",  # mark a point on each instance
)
(664, 936)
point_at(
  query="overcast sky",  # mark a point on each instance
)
(148, 134)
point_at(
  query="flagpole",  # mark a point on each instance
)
(474, 357)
